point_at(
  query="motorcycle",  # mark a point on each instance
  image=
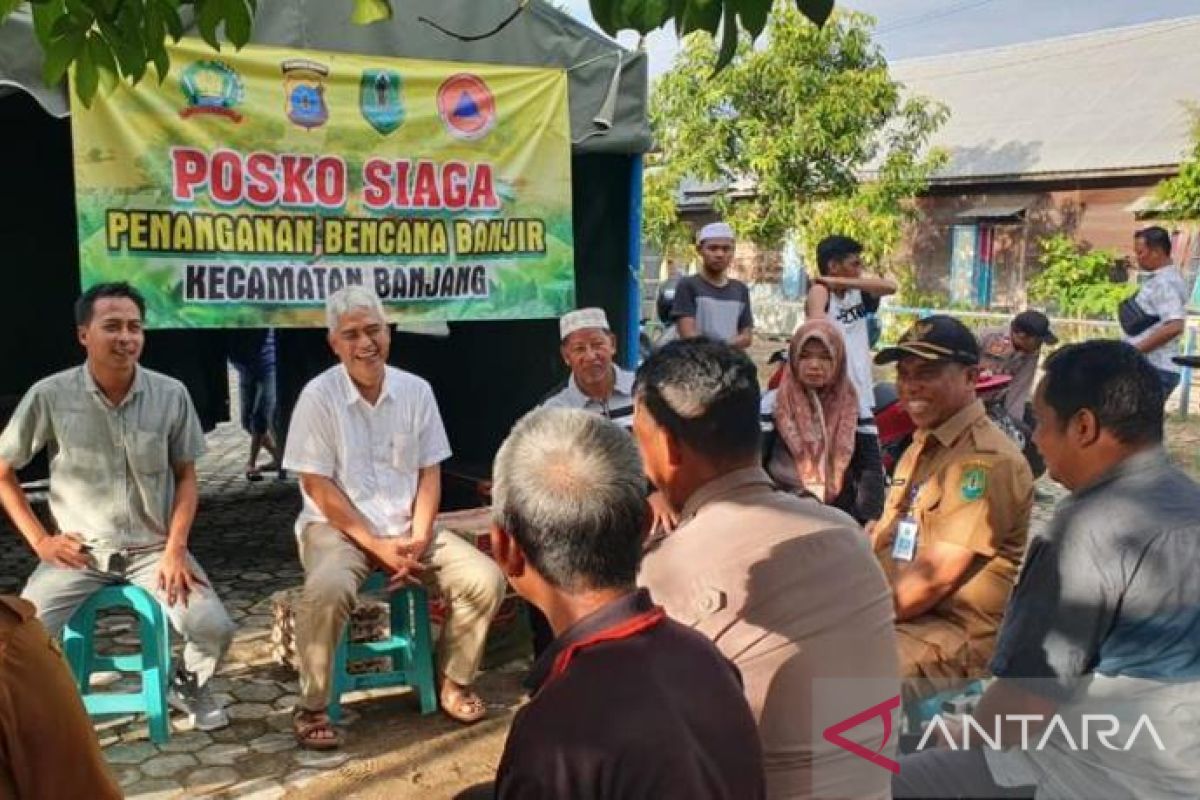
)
(896, 427)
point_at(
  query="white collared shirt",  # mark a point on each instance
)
(618, 407)
(374, 453)
(1165, 295)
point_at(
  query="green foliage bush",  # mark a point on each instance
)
(1074, 282)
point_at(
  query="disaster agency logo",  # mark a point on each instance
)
(466, 106)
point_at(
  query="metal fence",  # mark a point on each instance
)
(1069, 330)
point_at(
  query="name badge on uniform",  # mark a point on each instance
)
(904, 547)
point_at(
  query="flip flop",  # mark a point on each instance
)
(254, 475)
(463, 705)
(305, 724)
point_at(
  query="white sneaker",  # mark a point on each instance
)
(205, 713)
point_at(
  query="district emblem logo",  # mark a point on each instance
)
(379, 99)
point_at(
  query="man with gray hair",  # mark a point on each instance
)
(625, 702)
(367, 441)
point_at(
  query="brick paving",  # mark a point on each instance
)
(243, 538)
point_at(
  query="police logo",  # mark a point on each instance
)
(379, 100)
(211, 87)
(304, 92)
(466, 106)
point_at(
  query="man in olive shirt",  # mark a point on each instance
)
(786, 588)
(48, 749)
(123, 443)
(953, 529)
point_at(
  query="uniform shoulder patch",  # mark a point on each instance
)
(973, 484)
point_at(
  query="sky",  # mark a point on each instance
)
(912, 28)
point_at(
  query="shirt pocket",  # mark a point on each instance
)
(405, 451)
(928, 501)
(147, 452)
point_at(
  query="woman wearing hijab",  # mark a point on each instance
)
(814, 443)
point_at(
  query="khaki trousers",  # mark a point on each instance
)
(935, 657)
(334, 569)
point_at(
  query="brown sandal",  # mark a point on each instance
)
(307, 725)
(463, 705)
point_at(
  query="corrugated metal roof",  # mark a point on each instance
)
(1107, 101)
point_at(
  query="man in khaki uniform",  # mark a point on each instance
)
(48, 749)
(785, 587)
(953, 530)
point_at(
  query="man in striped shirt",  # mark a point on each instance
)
(596, 383)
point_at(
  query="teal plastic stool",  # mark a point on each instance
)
(154, 662)
(409, 645)
(921, 711)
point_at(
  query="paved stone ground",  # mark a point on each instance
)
(243, 538)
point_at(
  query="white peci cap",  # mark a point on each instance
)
(715, 230)
(583, 318)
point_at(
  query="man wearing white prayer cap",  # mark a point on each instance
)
(598, 385)
(588, 347)
(710, 303)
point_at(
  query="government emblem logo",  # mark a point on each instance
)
(304, 91)
(379, 99)
(211, 87)
(974, 482)
(466, 106)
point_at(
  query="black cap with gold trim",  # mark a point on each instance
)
(935, 338)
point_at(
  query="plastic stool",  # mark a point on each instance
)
(923, 710)
(409, 645)
(154, 662)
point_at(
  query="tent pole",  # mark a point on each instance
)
(634, 317)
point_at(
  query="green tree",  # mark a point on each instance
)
(1076, 282)
(1181, 195)
(802, 118)
(111, 40)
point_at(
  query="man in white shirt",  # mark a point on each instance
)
(1163, 295)
(367, 441)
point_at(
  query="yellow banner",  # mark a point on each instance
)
(244, 188)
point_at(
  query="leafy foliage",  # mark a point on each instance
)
(1075, 282)
(110, 40)
(1181, 194)
(802, 119)
(732, 17)
(660, 219)
(909, 293)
